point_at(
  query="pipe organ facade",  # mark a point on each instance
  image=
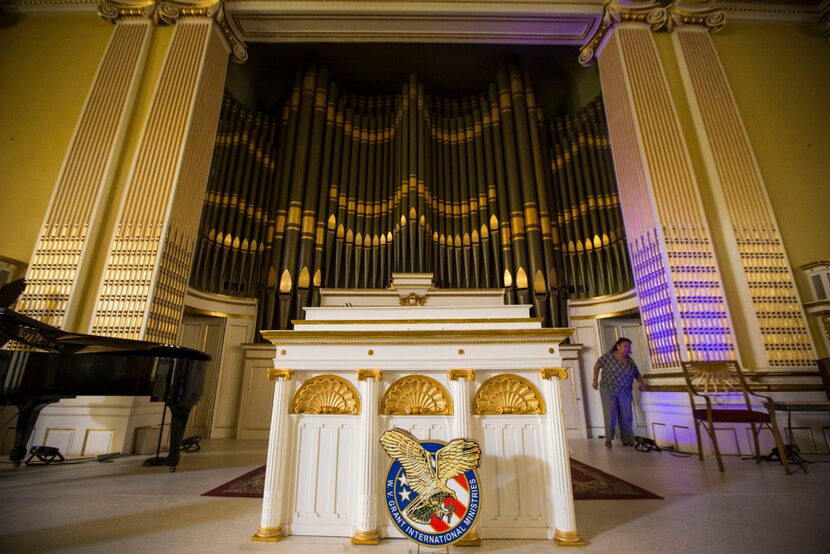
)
(341, 190)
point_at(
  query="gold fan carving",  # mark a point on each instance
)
(508, 394)
(326, 394)
(416, 395)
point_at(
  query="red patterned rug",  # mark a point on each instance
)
(589, 483)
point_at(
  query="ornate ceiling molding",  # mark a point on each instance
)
(586, 23)
(662, 15)
(509, 22)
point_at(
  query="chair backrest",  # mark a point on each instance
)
(824, 372)
(715, 379)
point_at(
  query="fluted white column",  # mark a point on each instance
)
(272, 494)
(461, 381)
(366, 524)
(560, 488)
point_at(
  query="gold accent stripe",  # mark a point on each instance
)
(542, 334)
(409, 321)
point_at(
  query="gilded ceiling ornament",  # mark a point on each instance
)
(326, 394)
(508, 394)
(416, 395)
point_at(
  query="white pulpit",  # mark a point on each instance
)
(440, 364)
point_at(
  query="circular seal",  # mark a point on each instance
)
(445, 516)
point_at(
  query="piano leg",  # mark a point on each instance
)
(26, 418)
(178, 422)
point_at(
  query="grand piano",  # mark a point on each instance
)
(50, 364)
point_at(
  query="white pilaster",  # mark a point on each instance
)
(560, 488)
(460, 380)
(461, 385)
(366, 531)
(272, 494)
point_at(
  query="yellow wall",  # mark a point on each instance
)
(47, 64)
(780, 75)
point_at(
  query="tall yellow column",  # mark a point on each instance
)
(711, 273)
(761, 289)
(676, 274)
(81, 192)
(147, 267)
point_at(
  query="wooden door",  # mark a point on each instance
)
(206, 334)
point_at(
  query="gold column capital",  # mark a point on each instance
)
(659, 15)
(551, 372)
(170, 11)
(274, 374)
(113, 11)
(366, 374)
(456, 374)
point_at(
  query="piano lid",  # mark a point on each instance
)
(41, 336)
(36, 334)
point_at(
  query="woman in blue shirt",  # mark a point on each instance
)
(618, 374)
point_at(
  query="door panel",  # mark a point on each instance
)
(206, 334)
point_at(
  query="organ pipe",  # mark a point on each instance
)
(342, 189)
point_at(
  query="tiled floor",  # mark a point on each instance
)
(124, 507)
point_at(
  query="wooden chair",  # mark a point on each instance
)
(715, 380)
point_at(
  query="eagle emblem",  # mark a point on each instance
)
(432, 488)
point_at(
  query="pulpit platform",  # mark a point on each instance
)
(440, 364)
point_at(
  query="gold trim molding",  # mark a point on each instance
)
(366, 537)
(470, 335)
(660, 16)
(470, 538)
(413, 321)
(456, 374)
(268, 534)
(113, 11)
(274, 374)
(366, 374)
(412, 299)
(416, 395)
(326, 395)
(225, 315)
(551, 372)
(508, 394)
(567, 538)
(170, 11)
